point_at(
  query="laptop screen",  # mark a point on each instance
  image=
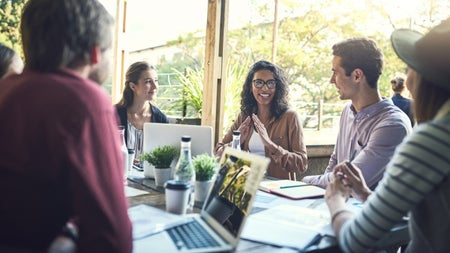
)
(230, 199)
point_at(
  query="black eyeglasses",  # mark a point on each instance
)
(258, 83)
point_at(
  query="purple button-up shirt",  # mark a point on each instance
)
(368, 138)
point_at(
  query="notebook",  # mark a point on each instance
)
(218, 226)
(160, 134)
(291, 189)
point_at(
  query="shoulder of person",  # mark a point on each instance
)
(290, 114)
(121, 110)
(392, 115)
(154, 107)
(120, 107)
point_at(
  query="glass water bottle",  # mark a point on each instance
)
(124, 151)
(184, 170)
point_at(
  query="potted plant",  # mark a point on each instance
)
(161, 158)
(205, 167)
(191, 96)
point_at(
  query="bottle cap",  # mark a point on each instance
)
(236, 132)
(185, 138)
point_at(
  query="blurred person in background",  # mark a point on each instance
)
(60, 159)
(10, 62)
(399, 99)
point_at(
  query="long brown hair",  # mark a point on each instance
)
(428, 99)
(132, 76)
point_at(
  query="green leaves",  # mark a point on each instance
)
(160, 157)
(205, 166)
(191, 92)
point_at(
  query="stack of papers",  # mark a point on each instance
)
(291, 189)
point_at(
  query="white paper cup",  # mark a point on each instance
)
(177, 196)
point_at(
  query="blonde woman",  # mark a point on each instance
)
(135, 107)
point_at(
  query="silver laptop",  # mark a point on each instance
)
(218, 226)
(159, 134)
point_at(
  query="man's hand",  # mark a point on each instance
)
(351, 176)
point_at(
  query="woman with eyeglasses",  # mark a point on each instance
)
(267, 125)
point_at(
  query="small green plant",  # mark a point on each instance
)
(160, 157)
(205, 166)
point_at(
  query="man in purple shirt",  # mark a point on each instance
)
(370, 127)
(60, 154)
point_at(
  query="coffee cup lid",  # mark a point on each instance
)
(176, 185)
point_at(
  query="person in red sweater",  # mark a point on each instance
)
(60, 154)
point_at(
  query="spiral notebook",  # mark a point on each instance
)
(291, 189)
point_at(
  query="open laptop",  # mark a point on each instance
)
(218, 226)
(160, 134)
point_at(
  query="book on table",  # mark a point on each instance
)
(291, 189)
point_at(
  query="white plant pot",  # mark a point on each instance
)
(162, 175)
(149, 170)
(201, 190)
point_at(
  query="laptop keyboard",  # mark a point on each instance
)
(191, 236)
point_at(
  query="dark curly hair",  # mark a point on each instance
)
(279, 104)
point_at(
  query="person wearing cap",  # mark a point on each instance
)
(404, 103)
(370, 127)
(417, 181)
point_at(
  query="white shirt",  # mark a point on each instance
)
(255, 145)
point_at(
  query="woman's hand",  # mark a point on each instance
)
(353, 178)
(261, 130)
(245, 127)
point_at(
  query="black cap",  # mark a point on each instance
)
(185, 138)
(176, 185)
(427, 54)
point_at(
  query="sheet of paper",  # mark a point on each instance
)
(149, 220)
(267, 200)
(132, 192)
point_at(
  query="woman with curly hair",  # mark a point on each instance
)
(267, 125)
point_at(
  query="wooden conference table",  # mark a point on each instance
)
(155, 197)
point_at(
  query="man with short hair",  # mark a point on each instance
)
(404, 103)
(370, 127)
(60, 154)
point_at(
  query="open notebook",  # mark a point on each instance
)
(218, 227)
(291, 189)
